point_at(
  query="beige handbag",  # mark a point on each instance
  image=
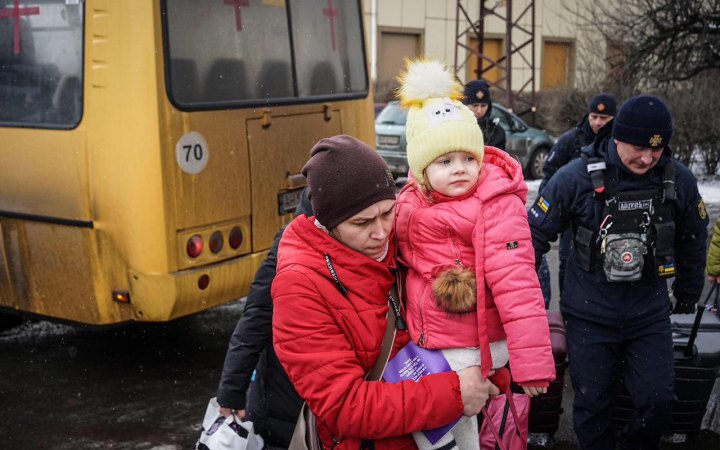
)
(305, 436)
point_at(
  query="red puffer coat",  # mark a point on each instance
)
(327, 343)
(486, 230)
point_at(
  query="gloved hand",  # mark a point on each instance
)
(682, 307)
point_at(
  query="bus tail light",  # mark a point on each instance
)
(203, 281)
(194, 246)
(235, 238)
(216, 242)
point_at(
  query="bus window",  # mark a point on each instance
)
(41, 63)
(328, 61)
(239, 52)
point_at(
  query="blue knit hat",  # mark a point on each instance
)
(476, 91)
(603, 104)
(643, 121)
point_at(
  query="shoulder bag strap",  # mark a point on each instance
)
(394, 322)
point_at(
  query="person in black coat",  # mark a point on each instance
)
(601, 110)
(637, 220)
(477, 97)
(274, 405)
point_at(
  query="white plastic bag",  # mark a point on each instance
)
(221, 433)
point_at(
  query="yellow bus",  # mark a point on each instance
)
(151, 149)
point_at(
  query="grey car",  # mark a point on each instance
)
(529, 145)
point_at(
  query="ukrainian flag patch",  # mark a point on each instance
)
(543, 204)
(666, 270)
(539, 211)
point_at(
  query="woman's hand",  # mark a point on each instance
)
(226, 412)
(712, 279)
(533, 391)
(475, 390)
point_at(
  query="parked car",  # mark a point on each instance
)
(529, 145)
(379, 107)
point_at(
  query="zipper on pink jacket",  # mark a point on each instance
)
(421, 339)
(452, 235)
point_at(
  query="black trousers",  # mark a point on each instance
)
(595, 352)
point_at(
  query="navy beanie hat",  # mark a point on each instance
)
(603, 104)
(643, 121)
(476, 91)
(344, 177)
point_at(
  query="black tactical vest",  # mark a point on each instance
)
(636, 236)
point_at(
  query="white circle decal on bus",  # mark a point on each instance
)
(192, 152)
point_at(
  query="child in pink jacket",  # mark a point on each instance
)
(462, 229)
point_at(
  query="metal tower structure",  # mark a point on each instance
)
(520, 99)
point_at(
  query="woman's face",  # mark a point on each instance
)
(368, 231)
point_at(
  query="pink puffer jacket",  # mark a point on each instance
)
(486, 230)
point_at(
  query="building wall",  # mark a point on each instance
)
(435, 22)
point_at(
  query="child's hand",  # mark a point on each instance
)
(533, 391)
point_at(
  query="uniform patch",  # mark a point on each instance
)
(538, 212)
(543, 204)
(634, 205)
(666, 270)
(702, 211)
(512, 245)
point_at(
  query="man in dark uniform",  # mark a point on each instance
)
(637, 218)
(601, 110)
(477, 97)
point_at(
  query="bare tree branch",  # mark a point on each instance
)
(661, 40)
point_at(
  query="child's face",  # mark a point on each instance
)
(453, 174)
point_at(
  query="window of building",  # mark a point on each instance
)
(556, 64)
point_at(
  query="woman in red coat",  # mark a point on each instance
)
(330, 297)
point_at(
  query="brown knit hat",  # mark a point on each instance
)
(345, 176)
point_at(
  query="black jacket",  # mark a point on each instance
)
(567, 148)
(493, 133)
(568, 201)
(274, 405)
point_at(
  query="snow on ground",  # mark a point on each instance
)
(710, 191)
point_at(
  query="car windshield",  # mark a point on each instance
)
(393, 114)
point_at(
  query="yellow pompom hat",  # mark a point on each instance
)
(437, 121)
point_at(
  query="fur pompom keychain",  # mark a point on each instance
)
(455, 290)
